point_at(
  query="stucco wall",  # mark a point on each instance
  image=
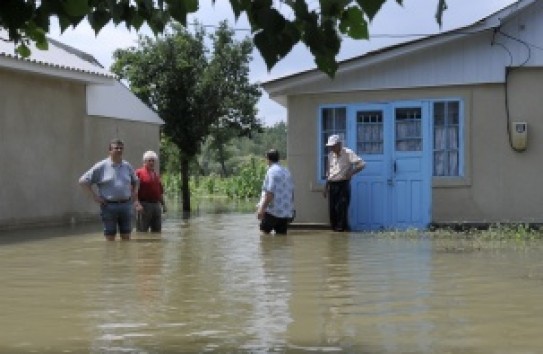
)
(47, 142)
(302, 151)
(499, 184)
(504, 185)
(97, 133)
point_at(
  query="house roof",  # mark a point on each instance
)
(118, 101)
(106, 96)
(59, 60)
(280, 88)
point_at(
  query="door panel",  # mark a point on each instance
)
(393, 191)
(373, 204)
(412, 182)
(368, 141)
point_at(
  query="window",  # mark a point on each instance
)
(369, 132)
(408, 129)
(333, 121)
(446, 138)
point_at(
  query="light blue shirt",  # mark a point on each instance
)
(114, 181)
(279, 182)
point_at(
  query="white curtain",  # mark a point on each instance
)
(370, 138)
(446, 150)
(408, 135)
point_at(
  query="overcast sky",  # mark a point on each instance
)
(393, 24)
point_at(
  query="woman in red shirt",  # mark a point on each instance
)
(150, 195)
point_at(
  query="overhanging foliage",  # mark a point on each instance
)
(276, 26)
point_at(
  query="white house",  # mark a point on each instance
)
(451, 127)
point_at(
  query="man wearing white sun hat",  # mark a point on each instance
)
(343, 164)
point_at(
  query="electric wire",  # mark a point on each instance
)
(508, 70)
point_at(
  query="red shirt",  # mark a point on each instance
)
(151, 189)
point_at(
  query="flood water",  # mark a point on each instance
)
(212, 283)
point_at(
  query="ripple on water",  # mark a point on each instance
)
(213, 283)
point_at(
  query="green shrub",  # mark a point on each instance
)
(245, 184)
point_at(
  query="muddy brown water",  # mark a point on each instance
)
(212, 283)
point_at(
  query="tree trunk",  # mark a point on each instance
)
(185, 190)
(222, 159)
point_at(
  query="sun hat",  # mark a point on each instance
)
(333, 140)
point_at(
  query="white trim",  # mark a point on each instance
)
(13, 63)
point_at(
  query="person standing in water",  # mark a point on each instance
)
(276, 208)
(150, 195)
(116, 191)
(343, 164)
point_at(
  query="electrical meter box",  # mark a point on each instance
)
(519, 135)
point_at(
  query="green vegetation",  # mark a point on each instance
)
(245, 184)
(238, 178)
(202, 94)
(494, 237)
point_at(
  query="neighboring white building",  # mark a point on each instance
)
(58, 111)
(442, 122)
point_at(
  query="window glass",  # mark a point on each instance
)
(408, 129)
(369, 132)
(333, 121)
(446, 138)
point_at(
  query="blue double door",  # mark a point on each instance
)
(394, 190)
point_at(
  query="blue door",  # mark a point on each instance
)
(394, 190)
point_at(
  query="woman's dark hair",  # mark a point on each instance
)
(273, 155)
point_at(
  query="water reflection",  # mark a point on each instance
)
(212, 283)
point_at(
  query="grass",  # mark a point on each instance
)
(493, 237)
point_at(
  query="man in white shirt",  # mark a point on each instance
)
(276, 209)
(343, 164)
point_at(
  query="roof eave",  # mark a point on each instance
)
(13, 63)
(368, 59)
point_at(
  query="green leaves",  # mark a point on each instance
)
(352, 23)
(274, 35)
(23, 50)
(14, 15)
(179, 9)
(38, 36)
(98, 19)
(277, 26)
(371, 7)
(76, 8)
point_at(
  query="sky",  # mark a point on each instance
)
(393, 24)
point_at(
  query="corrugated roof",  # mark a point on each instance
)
(106, 96)
(58, 56)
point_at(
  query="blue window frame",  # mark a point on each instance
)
(333, 120)
(369, 132)
(447, 139)
(408, 129)
(447, 127)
